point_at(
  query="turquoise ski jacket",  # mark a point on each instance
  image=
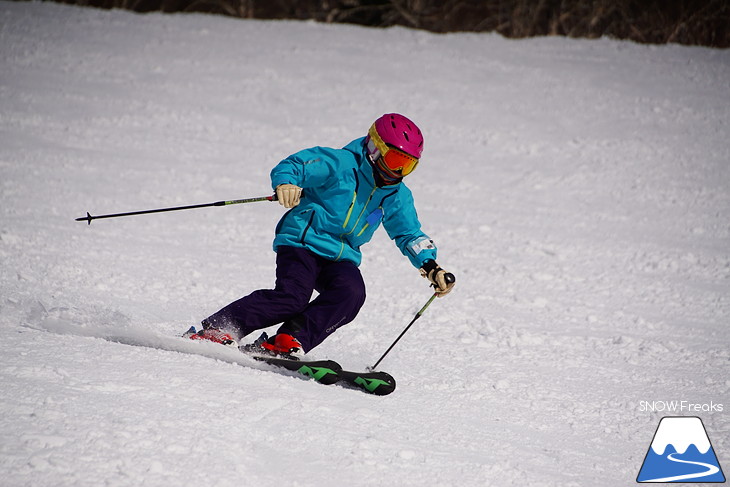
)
(341, 206)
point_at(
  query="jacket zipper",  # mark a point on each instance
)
(380, 207)
(306, 229)
(354, 199)
(349, 210)
(342, 235)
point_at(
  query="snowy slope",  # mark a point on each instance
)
(579, 190)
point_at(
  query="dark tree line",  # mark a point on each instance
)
(692, 22)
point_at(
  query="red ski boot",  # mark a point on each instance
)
(284, 345)
(212, 334)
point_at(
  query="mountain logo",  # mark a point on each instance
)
(681, 452)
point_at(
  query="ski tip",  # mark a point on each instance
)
(376, 383)
(387, 385)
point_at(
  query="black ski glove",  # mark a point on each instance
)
(441, 280)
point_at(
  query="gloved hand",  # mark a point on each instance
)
(288, 195)
(441, 280)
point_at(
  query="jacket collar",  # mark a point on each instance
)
(365, 167)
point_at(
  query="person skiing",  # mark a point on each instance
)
(337, 198)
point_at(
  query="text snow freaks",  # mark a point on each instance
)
(679, 407)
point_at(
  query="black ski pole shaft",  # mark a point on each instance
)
(90, 217)
(449, 279)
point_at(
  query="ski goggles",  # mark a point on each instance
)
(392, 160)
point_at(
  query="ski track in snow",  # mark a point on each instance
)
(578, 190)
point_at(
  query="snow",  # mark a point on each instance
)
(578, 189)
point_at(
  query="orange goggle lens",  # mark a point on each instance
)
(393, 160)
(399, 161)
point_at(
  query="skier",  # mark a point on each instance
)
(336, 198)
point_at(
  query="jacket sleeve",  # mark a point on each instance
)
(308, 168)
(400, 220)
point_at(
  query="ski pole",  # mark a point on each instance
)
(449, 277)
(90, 217)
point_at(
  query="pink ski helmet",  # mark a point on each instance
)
(395, 145)
(399, 132)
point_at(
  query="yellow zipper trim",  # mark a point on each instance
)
(364, 207)
(349, 211)
(365, 227)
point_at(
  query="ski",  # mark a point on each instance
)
(377, 383)
(329, 372)
(325, 372)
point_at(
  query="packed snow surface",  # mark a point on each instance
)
(578, 189)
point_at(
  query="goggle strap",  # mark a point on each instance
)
(373, 151)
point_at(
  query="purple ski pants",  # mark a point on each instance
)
(299, 272)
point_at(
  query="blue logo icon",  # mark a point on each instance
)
(681, 452)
